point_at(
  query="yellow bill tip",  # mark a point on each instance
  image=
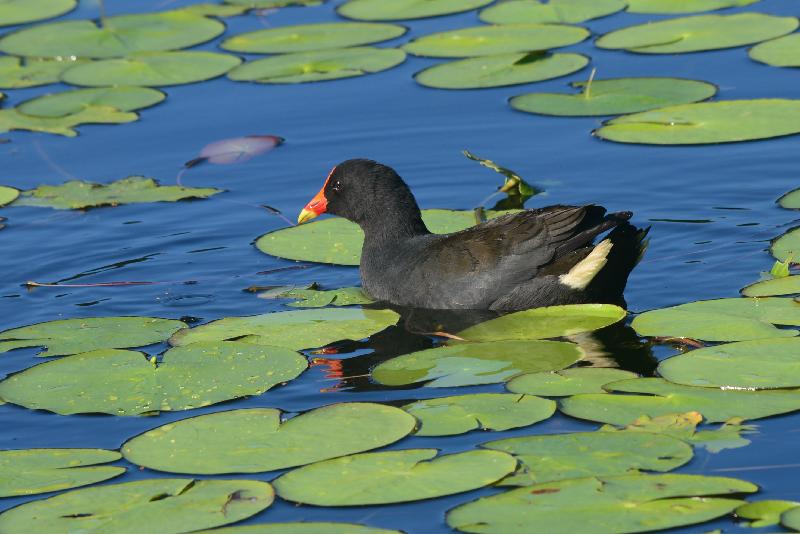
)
(305, 215)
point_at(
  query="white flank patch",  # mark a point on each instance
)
(584, 272)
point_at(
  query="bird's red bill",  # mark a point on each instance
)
(318, 205)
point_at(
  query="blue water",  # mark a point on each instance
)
(421, 133)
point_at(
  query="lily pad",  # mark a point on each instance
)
(791, 519)
(787, 246)
(216, 10)
(70, 102)
(71, 336)
(119, 36)
(318, 66)
(255, 440)
(500, 70)
(728, 121)
(152, 69)
(475, 363)
(499, 39)
(18, 73)
(302, 329)
(339, 241)
(12, 119)
(304, 527)
(22, 11)
(405, 9)
(628, 503)
(124, 382)
(311, 37)
(557, 457)
(760, 364)
(314, 298)
(781, 52)
(7, 195)
(683, 426)
(615, 97)
(785, 285)
(31, 471)
(764, 513)
(698, 33)
(790, 200)
(548, 322)
(235, 150)
(448, 416)
(392, 477)
(673, 7)
(659, 397)
(567, 382)
(734, 319)
(165, 505)
(552, 12)
(78, 194)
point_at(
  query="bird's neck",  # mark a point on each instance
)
(392, 225)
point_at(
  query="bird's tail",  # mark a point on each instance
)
(629, 246)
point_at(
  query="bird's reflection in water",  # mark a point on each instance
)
(615, 346)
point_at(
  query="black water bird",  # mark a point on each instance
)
(537, 257)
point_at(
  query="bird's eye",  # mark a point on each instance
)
(337, 186)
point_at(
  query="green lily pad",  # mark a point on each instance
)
(165, 505)
(560, 456)
(760, 364)
(152, 69)
(500, 70)
(304, 527)
(392, 477)
(615, 97)
(448, 416)
(22, 11)
(499, 39)
(70, 102)
(659, 397)
(628, 503)
(119, 36)
(17, 73)
(476, 363)
(124, 382)
(674, 7)
(321, 65)
(12, 119)
(683, 426)
(764, 513)
(339, 241)
(728, 121)
(791, 519)
(698, 33)
(405, 9)
(785, 285)
(552, 12)
(311, 37)
(78, 194)
(271, 4)
(71, 336)
(31, 471)
(255, 440)
(7, 195)
(314, 298)
(567, 382)
(787, 246)
(790, 200)
(734, 319)
(781, 52)
(302, 329)
(548, 322)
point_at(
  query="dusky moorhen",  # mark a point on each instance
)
(537, 257)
